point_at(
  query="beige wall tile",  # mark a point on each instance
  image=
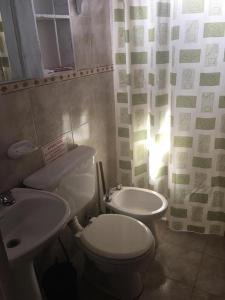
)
(50, 106)
(15, 120)
(82, 101)
(99, 129)
(16, 124)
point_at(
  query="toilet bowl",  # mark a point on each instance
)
(119, 246)
(141, 204)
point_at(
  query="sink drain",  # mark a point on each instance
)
(13, 243)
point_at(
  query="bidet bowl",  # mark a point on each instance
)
(142, 204)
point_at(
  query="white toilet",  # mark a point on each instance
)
(119, 246)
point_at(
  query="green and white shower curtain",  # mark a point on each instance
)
(170, 105)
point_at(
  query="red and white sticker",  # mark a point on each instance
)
(55, 149)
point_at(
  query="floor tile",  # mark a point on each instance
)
(179, 263)
(154, 276)
(169, 290)
(216, 246)
(181, 270)
(211, 278)
(188, 240)
(200, 295)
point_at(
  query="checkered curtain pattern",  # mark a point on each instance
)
(170, 105)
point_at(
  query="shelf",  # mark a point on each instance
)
(51, 17)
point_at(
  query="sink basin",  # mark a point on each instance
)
(31, 222)
(27, 225)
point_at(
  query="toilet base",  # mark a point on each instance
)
(121, 286)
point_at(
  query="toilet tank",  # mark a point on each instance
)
(72, 176)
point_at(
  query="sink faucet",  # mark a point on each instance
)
(7, 199)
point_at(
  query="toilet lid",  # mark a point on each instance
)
(117, 237)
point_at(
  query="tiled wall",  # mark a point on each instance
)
(81, 108)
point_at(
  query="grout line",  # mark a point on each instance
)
(179, 281)
(216, 257)
(34, 123)
(183, 284)
(199, 269)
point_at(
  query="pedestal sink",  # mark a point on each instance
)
(27, 226)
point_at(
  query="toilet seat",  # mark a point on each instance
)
(117, 236)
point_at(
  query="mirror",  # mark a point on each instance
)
(5, 70)
(36, 40)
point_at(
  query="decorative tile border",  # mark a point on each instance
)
(57, 77)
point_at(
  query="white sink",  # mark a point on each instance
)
(26, 226)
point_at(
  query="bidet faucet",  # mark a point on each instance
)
(108, 195)
(119, 187)
(7, 199)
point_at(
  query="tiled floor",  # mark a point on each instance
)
(187, 266)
